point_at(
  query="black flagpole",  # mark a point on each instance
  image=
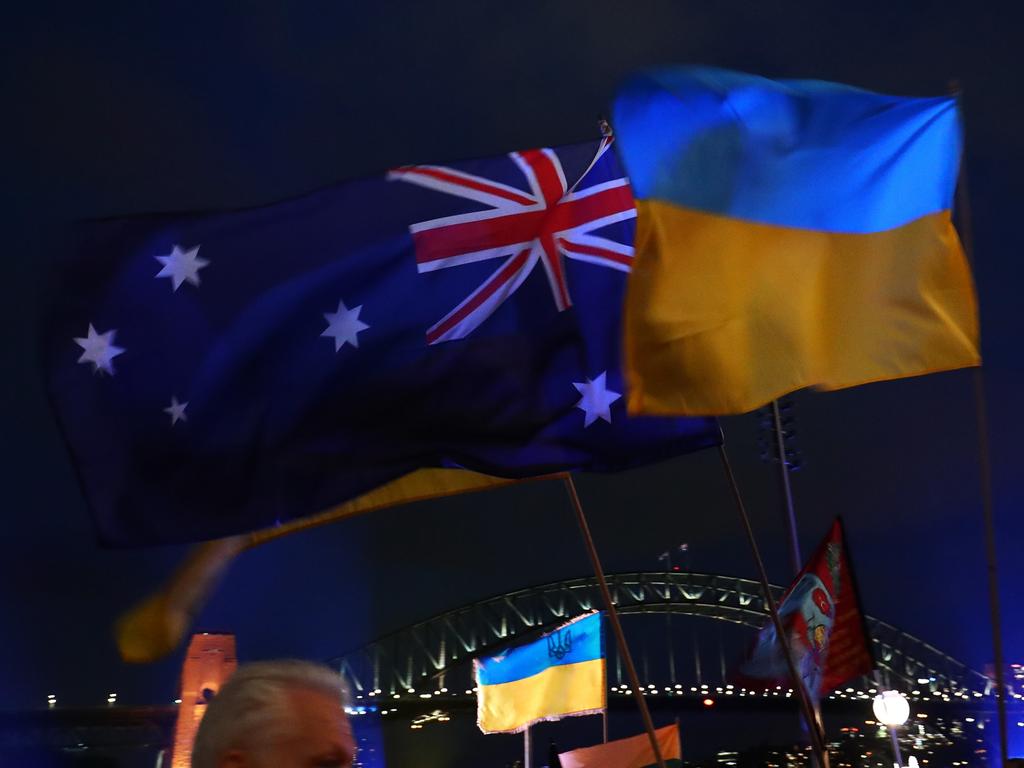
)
(985, 464)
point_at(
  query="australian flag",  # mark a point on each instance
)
(221, 372)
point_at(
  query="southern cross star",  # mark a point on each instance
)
(595, 399)
(176, 411)
(181, 266)
(344, 326)
(99, 350)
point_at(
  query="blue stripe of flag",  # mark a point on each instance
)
(578, 640)
(791, 153)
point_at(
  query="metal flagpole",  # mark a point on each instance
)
(667, 556)
(613, 617)
(696, 659)
(787, 490)
(990, 552)
(817, 740)
(794, 540)
(527, 759)
(985, 462)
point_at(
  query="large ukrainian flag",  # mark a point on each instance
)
(789, 234)
(560, 674)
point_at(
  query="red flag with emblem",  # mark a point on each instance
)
(822, 616)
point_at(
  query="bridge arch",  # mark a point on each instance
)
(421, 654)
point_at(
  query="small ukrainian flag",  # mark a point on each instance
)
(558, 675)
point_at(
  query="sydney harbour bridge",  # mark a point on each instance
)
(422, 674)
(421, 659)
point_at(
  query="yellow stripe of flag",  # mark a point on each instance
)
(559, 691)
(723, 315)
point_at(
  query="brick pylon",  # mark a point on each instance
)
(209, 662)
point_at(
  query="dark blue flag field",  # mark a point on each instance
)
(221, 372)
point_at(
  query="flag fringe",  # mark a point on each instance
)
(546, 719)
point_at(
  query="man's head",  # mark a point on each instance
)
(277, 714)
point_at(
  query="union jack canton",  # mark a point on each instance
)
(550, 222)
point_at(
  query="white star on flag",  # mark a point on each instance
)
(344, 326)
(181, 266)
(99, 350)
(596, 399)
(176, 411)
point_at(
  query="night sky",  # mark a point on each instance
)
(128, 109)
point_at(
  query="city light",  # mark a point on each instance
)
(708, 702)
(891, 708)
(360, 710)
(436, 716)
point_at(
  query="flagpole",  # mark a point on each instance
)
(990, 552)
(794, 540)
(668, 617)
(527, 759)
(985, 463)
(613, 617)
(817, 740)
(787, 490)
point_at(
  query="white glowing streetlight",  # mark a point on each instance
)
(892, 709)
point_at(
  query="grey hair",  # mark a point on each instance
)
(252, 705)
